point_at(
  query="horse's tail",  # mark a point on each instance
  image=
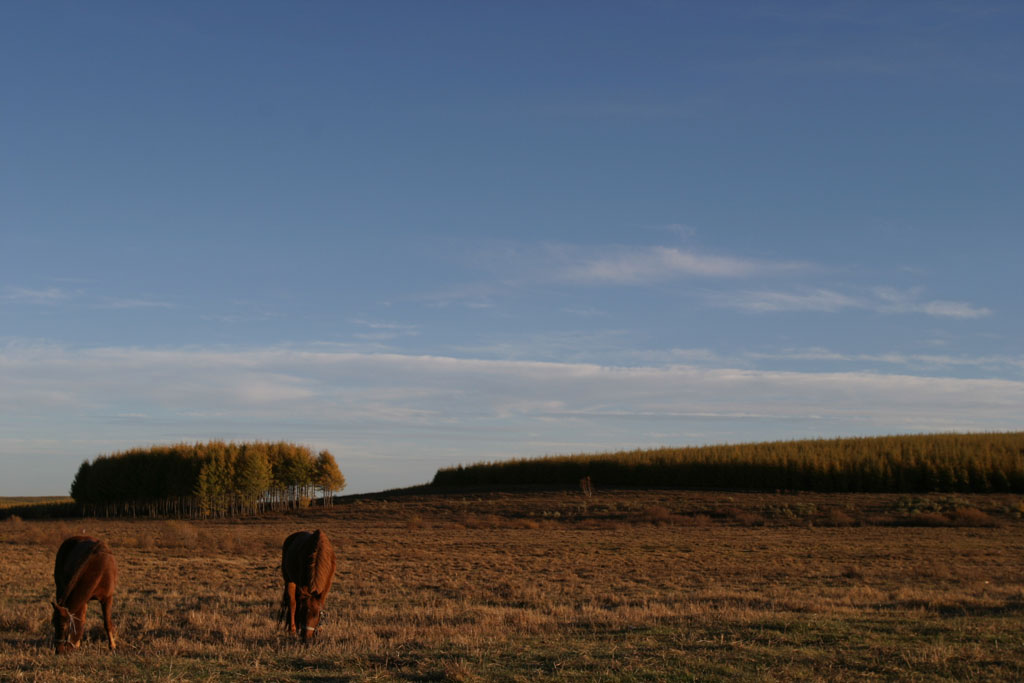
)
(282, 612)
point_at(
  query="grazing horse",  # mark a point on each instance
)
(307, 565)
(85, 570)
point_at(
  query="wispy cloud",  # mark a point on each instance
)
(818, 300)
(455, 409)
(473, 296)
(908, 301)
(384, 331)
(55, 295)
(50, 295)
(129, 303)
(679, 229)
(881, 300)
(676, 356)
(954, 309)
(929, 361)
(572, 346)
(249, 315)
(511, 269)
(632, 266)
(277, 377)
(586, 312)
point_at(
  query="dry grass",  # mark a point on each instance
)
(24, 501)
(630, 585)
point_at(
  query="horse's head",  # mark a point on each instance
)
(308, 613)
(65, 629)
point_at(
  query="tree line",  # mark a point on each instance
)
(213, 479)
(981, 463)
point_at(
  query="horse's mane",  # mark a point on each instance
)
(321, 564)
(98, 547)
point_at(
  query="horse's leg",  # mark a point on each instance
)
(289, 598)
(79, 623)
(106, 603)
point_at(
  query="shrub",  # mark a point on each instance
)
(973, 517)
(750, 519)
(176, 534)
(837, 517)
(657, 515)
(145, 541)
(928, 519)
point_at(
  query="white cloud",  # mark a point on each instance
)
(632, 266)
(455, 409)
(908, 301)
(680, 229)
(586, 312)
(384, 331)
(882, 300)
(819, 300)
(50, 295)
(54, 295)
(954, 309)
(239, 318)
(637, 266)
(378, 325)
(679, 356)
(393, 419)
(128, 303)
(992, 363)
(515, 269)
(473, 296)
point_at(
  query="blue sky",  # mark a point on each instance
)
(421, 234)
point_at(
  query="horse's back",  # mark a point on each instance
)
(74, 546)
(306, 554)
(70, 556)
(295, 541)
(290, 566)
(83, 558)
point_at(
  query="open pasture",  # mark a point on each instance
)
(627, 585)
(28, 501)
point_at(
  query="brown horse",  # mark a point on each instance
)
(85, 570)
(307, 565)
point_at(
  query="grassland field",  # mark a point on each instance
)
(534, 585)
(22, 501)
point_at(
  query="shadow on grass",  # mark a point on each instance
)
(1008, 608)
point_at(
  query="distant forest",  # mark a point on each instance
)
(920, 463)
(214, 479)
